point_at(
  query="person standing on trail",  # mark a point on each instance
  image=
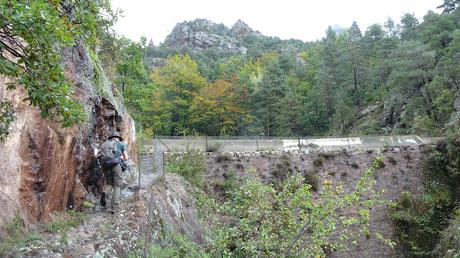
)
(113, 154)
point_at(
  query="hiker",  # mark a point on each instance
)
(113, 154)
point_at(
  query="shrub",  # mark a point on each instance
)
(267, 221)
(239, 166)
(190, 165)
(449, 244)
(223, 157)
(328, 155)
(392, 160)
(417, 223)
(379, 163)
(420, 220)
(318, 162)
(283, 168)
(214, 147)
(230, 183)
(354, 165)
(311, 178)
(173, 245)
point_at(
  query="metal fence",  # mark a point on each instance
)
(152, 161)
(252, 144)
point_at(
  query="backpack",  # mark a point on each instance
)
(108, 154)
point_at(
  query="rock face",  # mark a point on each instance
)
(46, 168)
(174, 209)
(455, 118)
(240, 30)
(203, 34)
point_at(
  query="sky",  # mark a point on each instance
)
(306, 20)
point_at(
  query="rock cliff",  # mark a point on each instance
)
(203, 34)
(46, 168)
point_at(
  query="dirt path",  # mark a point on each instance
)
(101, 234)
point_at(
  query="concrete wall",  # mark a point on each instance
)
(155, 147)
(241, 144)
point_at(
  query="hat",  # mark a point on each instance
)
(116, 134)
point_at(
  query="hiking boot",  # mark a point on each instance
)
(103, 202)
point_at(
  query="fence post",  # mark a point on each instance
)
(257, 143)
(139, 177)
(162, 167)
(206, 148)
(300, 147)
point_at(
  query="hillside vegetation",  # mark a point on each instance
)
(390, 78)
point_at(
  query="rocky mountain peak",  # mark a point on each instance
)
(241, 29)
(201, 34)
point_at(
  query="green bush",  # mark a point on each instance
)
(311, 178)
(288, 220)
(172, 245)
(224, 157)
(282, 169)
(214, 147)
(267, 221)
(449, 244)
(392, 160)
(189, 164)
(420, 221)
(318, 162)
(354, 165)
(417, 224)
(230, 183)
(177, 245)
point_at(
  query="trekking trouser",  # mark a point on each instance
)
(112, 186)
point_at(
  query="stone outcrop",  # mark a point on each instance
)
(170, 205)
(46, 168)
(455, 118)
(240, 30)
(173, 207)
(203, 34)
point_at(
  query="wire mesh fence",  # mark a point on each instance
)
(153, 159)
(304, 144)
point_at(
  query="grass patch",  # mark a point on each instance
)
(63, 222)
(17, 236)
